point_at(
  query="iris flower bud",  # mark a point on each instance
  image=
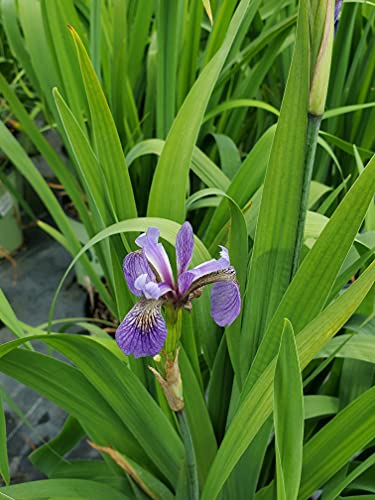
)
(324, 12)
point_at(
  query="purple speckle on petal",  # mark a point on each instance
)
(143, 330)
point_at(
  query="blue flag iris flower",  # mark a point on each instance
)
(149, 275)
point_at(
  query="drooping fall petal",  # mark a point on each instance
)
(143, 330)
(225, 302)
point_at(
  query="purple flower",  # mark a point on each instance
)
(338, 5)
(149, 275)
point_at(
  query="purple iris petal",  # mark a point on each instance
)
(225, 302)
(338, 5)
(134, 266)
(150, 289)
(143, 330)
(184, 247)
(156, 254)
(211, 266)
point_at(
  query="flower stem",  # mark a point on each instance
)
(313, 126)
(191, 465)
(174, 325)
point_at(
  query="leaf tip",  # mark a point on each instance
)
(207, 8)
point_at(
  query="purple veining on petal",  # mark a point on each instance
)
(224, 254)
(135, 265)
(155, 254)
(188, 277)
(184, 247)
(184, 282)
(149, 274)
(143, 330)
(225, 302)
(152, 235)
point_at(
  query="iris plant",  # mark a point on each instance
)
(149, 275)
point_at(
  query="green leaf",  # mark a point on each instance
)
(167, 17)
(239, 103)
(248, 179)
(201, 165)
(360, 346)
(8, 317)
(48, 457)
(101, 470)
(55, 19)
(62, 488)
(203, 436)
(317, 190)
(310, 288)
(220, 389)
(91, 172)
(347, 109)
(256, 406)
(288, 417)
(274, 247)
(36, 43)
(171, 173)
(95, 35)
(337, 442)
(230, 158)
(15, 39)
(346, 146)
(320, 406)
(360, 469)
(88, 406)
(4, 464)
(107, 142)
(128, 398)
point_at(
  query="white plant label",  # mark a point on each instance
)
(6, 203)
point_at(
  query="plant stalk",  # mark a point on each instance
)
(313, 126)
(174, 325)
(191, 465)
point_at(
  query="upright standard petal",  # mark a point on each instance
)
(156, 255)
(225, 302)
(184, 247)
(134, 266)
(143, 330)
(207, 268)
